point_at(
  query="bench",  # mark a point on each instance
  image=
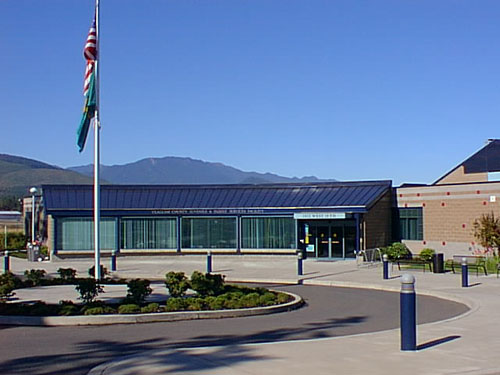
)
(473, 262)
(415, 261)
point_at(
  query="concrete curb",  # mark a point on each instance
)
(192, 315)
(149, 318)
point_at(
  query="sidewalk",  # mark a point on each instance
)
(468, 344)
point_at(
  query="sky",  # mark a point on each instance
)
(345, 89)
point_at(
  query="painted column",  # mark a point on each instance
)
(179, 234)
(358, 233)
(51, 234)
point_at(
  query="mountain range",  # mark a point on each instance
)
(178, 170)
(18, 174)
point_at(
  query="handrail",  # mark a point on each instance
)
(369, 257)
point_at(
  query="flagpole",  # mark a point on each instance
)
(97, 128)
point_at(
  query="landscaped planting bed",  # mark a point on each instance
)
(208, 292)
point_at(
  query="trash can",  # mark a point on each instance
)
(438, 263)
(33, 253)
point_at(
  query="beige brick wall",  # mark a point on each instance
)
(378, 223)
(459, 176)
(449, 212)
(51, 234)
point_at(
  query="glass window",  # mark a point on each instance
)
(209, 233)
(268, 233)
(77, 234)
(411, 223)
(148, 233)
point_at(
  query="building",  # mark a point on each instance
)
(11, 221)
(327, 220)
(441, 215)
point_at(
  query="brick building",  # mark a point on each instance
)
(441, 215)
(327, 220)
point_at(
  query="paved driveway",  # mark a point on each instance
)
(329, 312)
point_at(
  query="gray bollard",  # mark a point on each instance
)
(385, 265)
(6, 262)
(113, 260)
(209, 261)
(300, 265)
(408, 313)
(465, 273)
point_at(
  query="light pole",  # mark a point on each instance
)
(33, 191)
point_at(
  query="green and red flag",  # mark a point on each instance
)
(89, 87)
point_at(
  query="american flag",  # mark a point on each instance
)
(90, 54)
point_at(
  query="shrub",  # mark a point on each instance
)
(44, 250)
(214, 303)
(396, 251)
(261, 290)
(282, 297)
(129, 309)
(99, 310)
(94, 311)
(207, 284)
(231, 300)
(427, 254)
(35, 277)
(39, 309)
(15, 241)
(104, 271)
(67, 274)
(486, 230)
(267, 299)
(250, 300)
(176, 283)
(196, 304)
(233, 303)
(176, 304)
(151, 308)
(138, 290)
(89, 289)
(240, 288)
(67, 308)
(8, 282)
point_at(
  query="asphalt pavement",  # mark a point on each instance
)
(461, 344)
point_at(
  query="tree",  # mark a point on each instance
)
(10, 203)
(487, 231)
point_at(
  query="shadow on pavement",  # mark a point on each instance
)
(309, 331)
(191, 361)
(89, 354)
(436, 342)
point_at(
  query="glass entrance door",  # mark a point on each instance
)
(337, 240)
(328, 239)
(322, 241)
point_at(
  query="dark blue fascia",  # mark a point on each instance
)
(201, 212)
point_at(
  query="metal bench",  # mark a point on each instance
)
(415, 261)
(473, 262)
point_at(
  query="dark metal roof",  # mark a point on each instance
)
(336, 195)
(487, 159)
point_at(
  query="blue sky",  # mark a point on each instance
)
(344, 89)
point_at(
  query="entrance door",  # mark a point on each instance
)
(322, 241)
(332, 239)
(337, 240)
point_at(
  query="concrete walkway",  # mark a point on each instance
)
(468, 344)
